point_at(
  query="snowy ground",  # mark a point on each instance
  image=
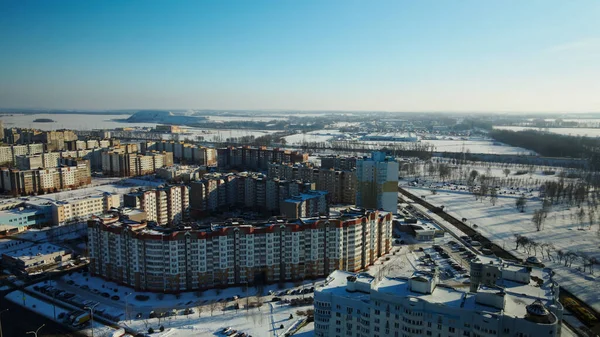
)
(502, 221)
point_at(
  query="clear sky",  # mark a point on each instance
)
(419, 55)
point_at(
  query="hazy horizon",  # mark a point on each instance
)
(390, 56)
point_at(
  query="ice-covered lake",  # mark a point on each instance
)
(68, 121)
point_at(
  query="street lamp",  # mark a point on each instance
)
(126, 309)
(36, 331)
(91, 309)
(1, 312)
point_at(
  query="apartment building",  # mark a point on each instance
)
(68, 210)
(311, 203)
(184, 173)
(71, 174)
(216, 191)
(184, 153)
(121, 163)
(337, 162)
(256, 158)
(166, 206)
(359, 305)
(340, 184)
(52, 140)
(377, 182)
(8, 154)
(154, 258)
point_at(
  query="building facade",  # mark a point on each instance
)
(172, 260)
(377, 182)
(184, 153)
(216, 191)
(70, 175)
(340, 184)
(311, 203)
(166, 206)
(256, 158)
(81, 208)
(122, 163)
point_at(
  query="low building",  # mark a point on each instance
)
(21, 218)
(35, 258)
(360, 305)
(77, 209)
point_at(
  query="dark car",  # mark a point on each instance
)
(115, 298)
(107, 295)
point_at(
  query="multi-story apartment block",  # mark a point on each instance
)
(183, 152)
(217, 191)
(80, 208)
(311, 203)
(341, 185)
(9, 154)
(377, 182)
(72, 174)
(337, 162)
(53, 140)
(178, 172)
(168, 205)
(524, 304)
(162, 259)
(124, 164)
(256, 158)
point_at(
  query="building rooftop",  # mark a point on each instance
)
(33, 251)
(508, 297)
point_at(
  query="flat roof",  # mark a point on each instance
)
(33, 251)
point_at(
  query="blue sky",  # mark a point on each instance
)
(308, 55)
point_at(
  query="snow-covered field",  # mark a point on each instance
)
(588, 132)
(476, 146)
(500, 222)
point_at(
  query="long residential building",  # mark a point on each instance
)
(256, 158)
(341, 184)
(74, 209)
(216, 191)
(154, 258)
(9, 154)
(166, 206)
(127, 164)
(185, 153)
(74, 173)
(522, 302)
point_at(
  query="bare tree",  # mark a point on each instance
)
(539, 216)
(521, 202)
(493, 196)
(560, 254)
(199, 309)
(213, 306)
(581, 217)
(506, 172)
(549, 248)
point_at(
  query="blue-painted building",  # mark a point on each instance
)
(18, 219)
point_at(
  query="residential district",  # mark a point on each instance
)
(322, 245)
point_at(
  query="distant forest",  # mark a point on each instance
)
(552, 145)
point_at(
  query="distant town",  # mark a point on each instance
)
(258, 223)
